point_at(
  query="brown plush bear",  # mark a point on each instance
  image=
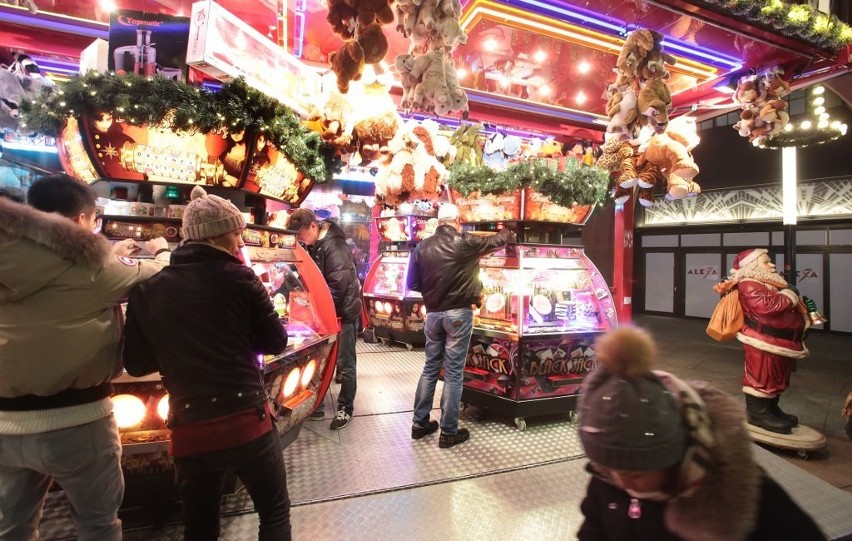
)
(341, 17)
(335, 119)
(636, 47)
(373, 11)
(372, 40)
(373, 135)
(347, 63)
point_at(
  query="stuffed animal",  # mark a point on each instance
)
(459, 97)
(654, 66)
(11, 96)
(466, 141)
(654, 101)
(450, 8)
(670, 155)
(373, 11)
(747, 92)
(372, 40)
(341, 16)
(492, 154)
(746, 123)
(636, 47)
(373, 135)
(431, 93)
(347, 64)
(621, 108)
(448, 35)
(406, 16)
(336, 120)
(678, 187)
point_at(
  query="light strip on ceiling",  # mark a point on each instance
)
(611, 25)
(53, 21)
(498, 13)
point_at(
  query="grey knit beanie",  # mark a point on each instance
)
(628, 419)
(208, 216)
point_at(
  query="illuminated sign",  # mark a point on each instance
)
(224, 47)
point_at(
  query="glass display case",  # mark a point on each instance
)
(295, 380)
(396, 313)
(533, 339)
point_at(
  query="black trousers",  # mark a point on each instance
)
(259, 464)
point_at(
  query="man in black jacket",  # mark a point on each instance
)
(445, 269)
(202, 325)
(327, 245)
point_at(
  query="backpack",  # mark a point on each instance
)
(727, 318)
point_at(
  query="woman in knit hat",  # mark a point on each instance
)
(671, 460)
(202, 326)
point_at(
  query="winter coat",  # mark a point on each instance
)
(780, 326)
(334, 259)
(736, 500)
(59, 285)
(202, 323)
(445, 267)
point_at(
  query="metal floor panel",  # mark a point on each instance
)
(372, 481)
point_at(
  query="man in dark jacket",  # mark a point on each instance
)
(672, 460)
(202, 325)
(445, 269)
(327, 245)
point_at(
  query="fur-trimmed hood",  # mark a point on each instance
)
(36, 247)
(725, 506)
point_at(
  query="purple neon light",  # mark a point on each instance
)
(49, 21)
(586, 18)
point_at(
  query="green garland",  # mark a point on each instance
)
(798, 21)
(181, 107)
(582, 185)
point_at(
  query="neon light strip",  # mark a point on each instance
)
(53, 21)
(8, 145)
(622, 29)
(561, 30)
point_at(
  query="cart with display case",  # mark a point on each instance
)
(533, 337)
(396, 313)
(295, 380)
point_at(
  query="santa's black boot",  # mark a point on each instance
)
(759, 412)
(792, 419)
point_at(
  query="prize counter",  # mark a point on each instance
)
(296, 380)
(396, 314)
(533, 337)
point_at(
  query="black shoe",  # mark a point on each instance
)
(759, 413)
(448, 440)
(792, 419)
(341, 420)
(318, 415)
(418, 432)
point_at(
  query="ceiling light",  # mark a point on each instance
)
(108, 5)
(489, 45)
(819, 101)
(818, 90)
(544, 90)
(584, 67)
(461, 73)
(540, 56)
(580, 98)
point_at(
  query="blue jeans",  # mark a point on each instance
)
(346, 362)
(447, 340)
(84, 460)
(260, 466)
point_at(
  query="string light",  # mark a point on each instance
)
(817, 129)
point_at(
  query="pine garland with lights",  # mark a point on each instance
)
(181, 107)
(800, 21)
(583, 185)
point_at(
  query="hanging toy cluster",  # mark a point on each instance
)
(763, 113)
(428, 71)
(643, 147)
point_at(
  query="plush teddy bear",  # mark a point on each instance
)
(654, 101)
(372, 40)
(404, 64)
(431, 93)
(336, 120)
(448, 35)
(747, 92)
(347, 63)
(654, 66)
(341, 17)
(373, 11)
(11, 96)
(746, 123)
(636, 47)
(373, 135)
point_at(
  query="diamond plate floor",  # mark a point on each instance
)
(371, 481)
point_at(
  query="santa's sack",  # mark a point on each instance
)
(727, 318)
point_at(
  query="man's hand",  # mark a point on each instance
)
(157, 244)
(126, 247)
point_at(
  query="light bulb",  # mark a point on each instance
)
(806, 125)
(818, 90)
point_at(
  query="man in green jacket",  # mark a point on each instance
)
(59, 348)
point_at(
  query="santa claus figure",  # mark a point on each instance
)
(773, 332)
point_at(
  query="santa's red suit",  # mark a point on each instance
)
(772, 333)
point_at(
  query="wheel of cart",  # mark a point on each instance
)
(521, 423)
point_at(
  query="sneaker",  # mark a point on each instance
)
(448, 440)
(318, 415)
(418, 432)
(340, 420)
